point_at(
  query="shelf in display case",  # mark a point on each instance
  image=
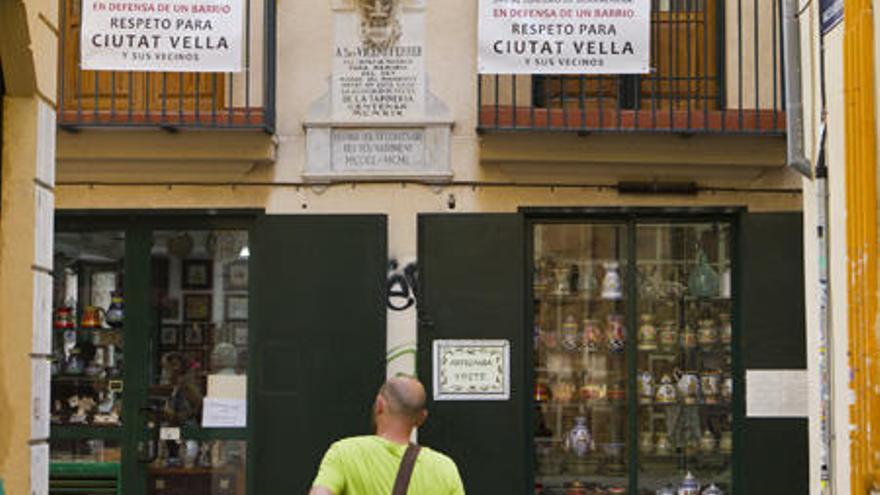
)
(585, 404)
(573, 298)
(89, 329)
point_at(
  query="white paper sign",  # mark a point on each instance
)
(776, 393)
(224, 413)
(162, 35)
(471, 370)
(565, 37)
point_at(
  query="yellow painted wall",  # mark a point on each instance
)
(28, 48)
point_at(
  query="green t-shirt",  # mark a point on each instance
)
(368, 465)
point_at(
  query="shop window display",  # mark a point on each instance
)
(200, 302)
(633, 341)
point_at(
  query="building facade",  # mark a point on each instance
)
(278, 240)
(28, 41)
(839, 73)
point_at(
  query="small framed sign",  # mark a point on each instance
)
(471, 370)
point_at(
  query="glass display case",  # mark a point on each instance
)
(88, 329)
(633, 358)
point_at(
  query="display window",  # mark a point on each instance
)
(633, 355)
(150, 358)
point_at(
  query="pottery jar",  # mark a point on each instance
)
(710, 384)
(570, 334)
(592, 335)
(688, 387)
(612, 286)
(665, 392)
(647, 333)
(579, 440)
(615, 333)
(708, 444)
(707, 335)
(668, 336)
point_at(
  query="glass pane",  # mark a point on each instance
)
(84, 451)
(580, 358)
(200, 306)
(685, 386)
(88, 328)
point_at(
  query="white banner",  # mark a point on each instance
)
(565, 36)
(162, 35)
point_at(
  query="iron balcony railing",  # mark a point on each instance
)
(243, 100)
(716, 68)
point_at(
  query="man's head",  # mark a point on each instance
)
(400, 403)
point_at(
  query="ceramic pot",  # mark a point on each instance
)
(615, 333)
(561, 282)
(542, 392)
(727, 389)
(593, 391)
(726, 331)
(647, 333)
(668, 336)
(708, 444)
(563, 391)
(725, 444)
(612, 286)
(570, 334)
(592, 335)
(579, 440)
(707, 334)
(689, 485)
(710, 384)
(665, 392)
(91, 317)
(689, 338)
(713, 490)
(63, 319)
(663, 446)
(688, 387)
(646, 443)
(587, 283)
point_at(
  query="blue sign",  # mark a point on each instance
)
(831, 14)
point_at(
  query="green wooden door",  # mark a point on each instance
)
(472, 269)
(320, 342)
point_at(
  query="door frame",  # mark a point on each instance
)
(631, 217)
(138, 226)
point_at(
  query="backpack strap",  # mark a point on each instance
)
(404, 473)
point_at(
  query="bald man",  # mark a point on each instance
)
(368, 465)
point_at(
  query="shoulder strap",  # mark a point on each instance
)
(404, 473)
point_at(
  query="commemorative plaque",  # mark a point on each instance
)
(378, 120)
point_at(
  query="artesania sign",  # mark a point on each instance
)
(471, 369)
(162, 35)
(565, 36)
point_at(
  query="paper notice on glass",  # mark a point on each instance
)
(227, 386)
(224, 413)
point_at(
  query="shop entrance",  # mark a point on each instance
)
(630, 332)
(186, 350)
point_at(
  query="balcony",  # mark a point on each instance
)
(171, 100)
(716, 69)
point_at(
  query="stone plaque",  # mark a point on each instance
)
(471, 370)
(378, 62)
(378, 149)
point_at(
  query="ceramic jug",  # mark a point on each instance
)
(612, 286)
(91, 317)
(115, 314)
(579, 441)
(703, 280)
(561, 282)
(689, 485)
